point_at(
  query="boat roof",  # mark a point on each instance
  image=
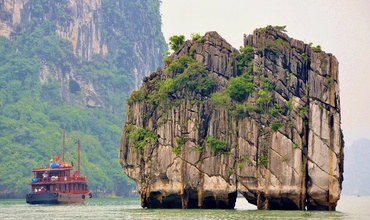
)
(44, 169)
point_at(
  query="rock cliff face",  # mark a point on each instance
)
(263, 121)
(94, 28)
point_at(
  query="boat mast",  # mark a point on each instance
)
(64, 142)
(79, 148)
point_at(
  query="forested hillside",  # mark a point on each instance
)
(49, 83)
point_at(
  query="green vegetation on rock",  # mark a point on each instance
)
(240, 87)
(139, 137)
(217, 145)
(263, 160)
(189, 75)
(176, 41)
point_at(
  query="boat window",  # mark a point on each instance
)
(63, 187)
(38, 175)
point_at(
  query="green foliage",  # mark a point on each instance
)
(304, 56)
(60, 10)
(245, 57)
(275, 46)
(139, 137)
(296, 146)
(221, 99)
(263, 160)
(231, 172)
(136, 96)
(242, 110)
(176, 150)
(167, 61)
(317, 49)
(217, 145)
(280, 28)
(199, 149)
(176, 41)
(240, 87)
(197, 37)
(283, 43)
(179, 65)
(260, 30)
(302, 111)
(277, 109)
(330, 81)
(289, 103)
(240, 166)
(41, 41)
(267, 85)
(271, 45)
(193, 76)
(276, 125)
(179, 142)
(27, 127)
(161, 91)
(264, 98)
(238, 111)
(121, 23)
(197, 79)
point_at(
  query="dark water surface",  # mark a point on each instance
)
(349, 207)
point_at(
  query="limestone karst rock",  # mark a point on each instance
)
(124, 31)
(263, 121)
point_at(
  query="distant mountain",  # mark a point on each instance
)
(70, 65)
(357, 168)
(353, 134)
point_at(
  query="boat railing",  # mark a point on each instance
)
(81, 178)
(59, 179)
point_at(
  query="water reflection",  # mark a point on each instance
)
(99, 208)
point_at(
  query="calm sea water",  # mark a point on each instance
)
(349, 207)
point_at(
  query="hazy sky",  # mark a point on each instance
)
(340, 27)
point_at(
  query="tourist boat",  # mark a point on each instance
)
(58, 183)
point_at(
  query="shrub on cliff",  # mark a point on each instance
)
(246, 55)
(136, 96)
(239, 88)
(138, 137)
(221, 99)
(176, 41)
(191, 75)
(217, 145)
(179, 65)
(196, 37)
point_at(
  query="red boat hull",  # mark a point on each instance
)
(56, 198)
